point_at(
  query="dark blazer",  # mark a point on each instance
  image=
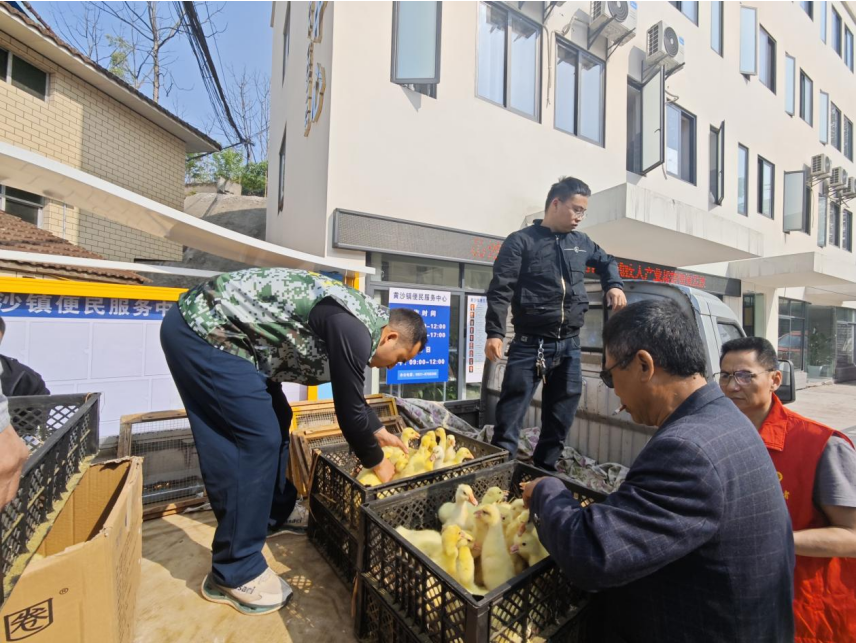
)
(696, 544)
(528, 274)
(20, 380)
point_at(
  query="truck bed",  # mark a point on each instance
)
(176, 557)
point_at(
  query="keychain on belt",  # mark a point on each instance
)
(541, 363)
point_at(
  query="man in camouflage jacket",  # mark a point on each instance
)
(229, 344)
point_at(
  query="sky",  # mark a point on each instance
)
(245, 41)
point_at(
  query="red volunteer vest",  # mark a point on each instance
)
(824, 588)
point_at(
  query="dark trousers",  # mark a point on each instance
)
(559, 397)
(240, 422)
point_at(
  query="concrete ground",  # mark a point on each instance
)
(833, 405)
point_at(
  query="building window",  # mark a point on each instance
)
(742, 179)
(23, 75)
(749, 314)
(848, 138)
(416, 30)
(580, 90)
(790, 84)
(848, 48)
(821, 7)
(795, 202)
(681, 144)
(509, 72)
(824, 117)
(822, 210)
(847, 231)
(24, 205)
(834, 223)
(835, 127)
(808, 7)
(792, 314)
(717, 173)
(634, 127)
(286, 40)
(281, 191)
(716, 20)
(766, 187)
(836, 33)
(748, 40)
(767, 60)
(806, 98)
(689, 9)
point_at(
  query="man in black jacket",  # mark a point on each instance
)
(540, 272)
(18, 379)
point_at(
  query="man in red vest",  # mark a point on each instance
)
(817, 469)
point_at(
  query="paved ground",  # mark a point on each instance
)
(833, 405)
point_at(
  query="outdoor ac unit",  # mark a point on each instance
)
(619, 18)
(665, 47)
(851, 186)
(839, 178)
(821, 166)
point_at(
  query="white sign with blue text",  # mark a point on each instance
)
(432, 363)
(79, 307)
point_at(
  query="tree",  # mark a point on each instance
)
(249, 98)
(254, 179)
(227, 164)
(196, 169)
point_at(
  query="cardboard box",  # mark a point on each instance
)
(85, 587)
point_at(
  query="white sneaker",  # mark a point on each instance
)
(296, 523)
(267, 593)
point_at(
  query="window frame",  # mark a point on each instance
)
(791, 93)
(8, 78)
(839, 32)
(771, 42)
(281, 181)
(804, 198)
(822, 215)
(823, 122)
(580, 52)
(824, 18)
(679, 5)
(286, 40)
(713, 5)
(834, 220)
(836, 138)
(761, 162)
(718, 154)
(847, 137)
(539, 62)
(808, 10)
(694, 154)
(747, 183)
(39, 204)
(849, 48)
(435, 80)
(744, 11)
(847, 238)
(803, 78)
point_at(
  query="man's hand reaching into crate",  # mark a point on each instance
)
(384, 470)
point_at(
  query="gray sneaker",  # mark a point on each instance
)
(265, 594)
(296, 523)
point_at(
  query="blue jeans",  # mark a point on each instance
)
(559, 397)
(240, 423)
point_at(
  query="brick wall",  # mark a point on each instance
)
(82, 127)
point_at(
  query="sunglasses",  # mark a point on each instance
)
(606, 375)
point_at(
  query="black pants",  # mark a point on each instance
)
(240, 422)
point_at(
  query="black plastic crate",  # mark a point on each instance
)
(67, 429)
(335, 485)
(377, 620)
(538, 603)
(338, 545)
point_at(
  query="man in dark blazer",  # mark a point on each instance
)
(696, 544)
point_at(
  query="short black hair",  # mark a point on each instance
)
(565, 188)
(765, 353)
(662, 329)
(410, 325)
(2, 326)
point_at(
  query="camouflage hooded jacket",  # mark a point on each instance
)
(262, 315)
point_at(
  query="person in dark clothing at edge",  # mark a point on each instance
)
(18, 379)
(229, 345)
(540, 271)
(696, 544)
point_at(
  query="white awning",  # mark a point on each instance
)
(629, 221)
(35, 173)
(798, 269)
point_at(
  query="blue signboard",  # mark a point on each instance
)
(432, 363)
(73, 307)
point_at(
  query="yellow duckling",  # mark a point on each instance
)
(496, 562)
(516, 526)
(465, 568)
(449, 458)
(458, 512)
(417, 464)
(462, 455)
(409, 435)
(436, 457)
(428, 541)
(393, 454)
(440, 434)
(529, 546)
(493, 495)
(452, 537)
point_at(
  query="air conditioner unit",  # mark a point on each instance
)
(821, 166)
(839, 178)
(851, 187)
(665, 47)
(619, 18)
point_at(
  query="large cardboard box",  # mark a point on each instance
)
(85, 587)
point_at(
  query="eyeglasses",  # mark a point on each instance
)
(579, 213)
(742, 378)
(606, 374)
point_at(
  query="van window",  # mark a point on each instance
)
(591, 335)
(728, 332)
